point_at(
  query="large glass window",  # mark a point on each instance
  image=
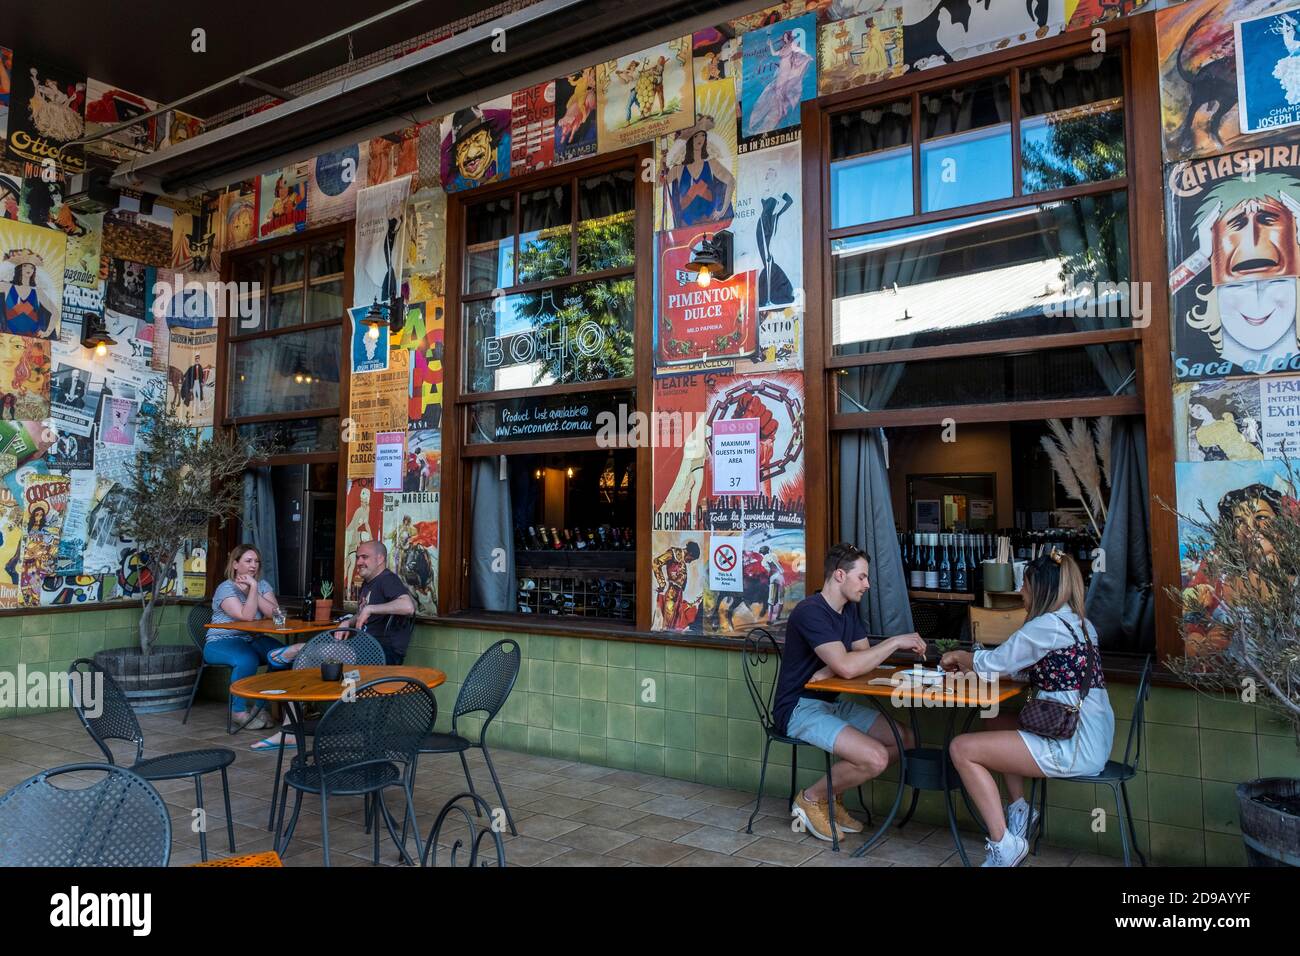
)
(548, 320)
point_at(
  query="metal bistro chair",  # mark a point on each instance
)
(116, 721)
(358, 649)
(363, 747)
(117, 821)
(1116, 774)
(199, 616)
(486, 687)
(476, 834)
(760, 647)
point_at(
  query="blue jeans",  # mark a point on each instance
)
(243, 657)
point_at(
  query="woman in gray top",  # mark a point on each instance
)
(1056, 652)
(243, 596)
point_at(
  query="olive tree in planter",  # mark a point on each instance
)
(1242, 613)
(178, 484)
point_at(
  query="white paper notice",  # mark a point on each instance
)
(735, 456)
(390, 450)
(725, 553)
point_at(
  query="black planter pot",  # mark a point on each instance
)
(157, 683)
(1272, 834)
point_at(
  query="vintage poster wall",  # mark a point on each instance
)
(575, 126)
(333, 182)
(410, 531)
(31, 279)
(1235, 262)
(778, 72)
(1253, 493)
(24, 378)
(365, 516)
(46, 110)
(394, 155)
(377, 403)
(192, 375)
(380, 248)
(282, 202)
(860, 50)
(644, 95)
(1198, 76)
(476, 145)
(106, 107)
(532, 129)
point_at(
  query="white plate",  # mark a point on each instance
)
(274, 692)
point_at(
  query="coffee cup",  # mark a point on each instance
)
(331, 671)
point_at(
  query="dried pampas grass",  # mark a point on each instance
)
(1079, 461)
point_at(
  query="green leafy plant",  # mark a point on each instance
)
(326, 589)
(945, 644)
(178, 484)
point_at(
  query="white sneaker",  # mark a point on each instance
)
(1011, 851)
(1021, 819)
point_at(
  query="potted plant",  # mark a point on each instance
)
(177, 484)
(1242, 630)
(325, 605)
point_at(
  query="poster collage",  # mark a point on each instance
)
(1230, 82)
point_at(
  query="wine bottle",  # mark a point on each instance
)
(931, 563)
(945, 568)
(603, 538)
(569, 544)
(916, 569)
(960, 579)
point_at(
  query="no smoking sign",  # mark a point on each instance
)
(724, 562)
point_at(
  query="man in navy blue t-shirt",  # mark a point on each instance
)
(825, 638)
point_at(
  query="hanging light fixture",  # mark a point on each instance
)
(300, 372)
(376, 318)
(94, 334)
(712, 260)
(396, 316)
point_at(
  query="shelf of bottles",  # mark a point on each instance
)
(946, 566)
(576, 572)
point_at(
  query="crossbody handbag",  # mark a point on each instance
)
(1053, 718)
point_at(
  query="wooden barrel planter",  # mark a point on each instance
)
(157, 683)
(1270, 821)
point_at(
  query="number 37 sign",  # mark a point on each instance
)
(735, 456)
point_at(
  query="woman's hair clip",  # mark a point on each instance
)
(1055, 555)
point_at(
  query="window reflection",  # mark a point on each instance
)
(997, 275)
(576, 333)
(1072, 126)
(871, 164)
(285, 373)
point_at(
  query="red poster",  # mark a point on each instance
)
(697, 322)
(532, 129)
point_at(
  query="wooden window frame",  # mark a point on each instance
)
(1136, 37)
(226, 538)
(458, 455)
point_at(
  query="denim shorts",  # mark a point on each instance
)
(819, 722)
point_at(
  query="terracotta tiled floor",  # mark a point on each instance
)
(568, 814)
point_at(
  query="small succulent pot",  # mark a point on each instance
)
(324, 609)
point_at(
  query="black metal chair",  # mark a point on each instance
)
(363, 747)
(116, 721)
(1116, 775)
(486, 688)
(199, 616)
(117, 821)
(476, 834)
(358, 649)
(760, 647)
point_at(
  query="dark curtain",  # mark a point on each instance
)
(492, 581)
(1120, 601)
(258, 520)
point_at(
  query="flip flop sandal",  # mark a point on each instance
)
(276, 656)
(269, 744)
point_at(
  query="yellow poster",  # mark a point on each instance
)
(377, 403)
(645, 94)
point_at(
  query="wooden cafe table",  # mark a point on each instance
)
(296, 687)
(303, 630)
(922, 768)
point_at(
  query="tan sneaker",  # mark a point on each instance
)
(844, 820)
(815, 817)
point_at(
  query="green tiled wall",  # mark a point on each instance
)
(685, 713)
(51, 642)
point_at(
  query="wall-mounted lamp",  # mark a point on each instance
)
(569, 472)
(538, 474)
(300, 373)
(396, 316)
(94, 334)
(712, 260)
(376, 319)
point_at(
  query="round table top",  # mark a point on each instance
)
(306, 685)
(264, 625)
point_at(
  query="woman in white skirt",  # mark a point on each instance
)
(1056, 652)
